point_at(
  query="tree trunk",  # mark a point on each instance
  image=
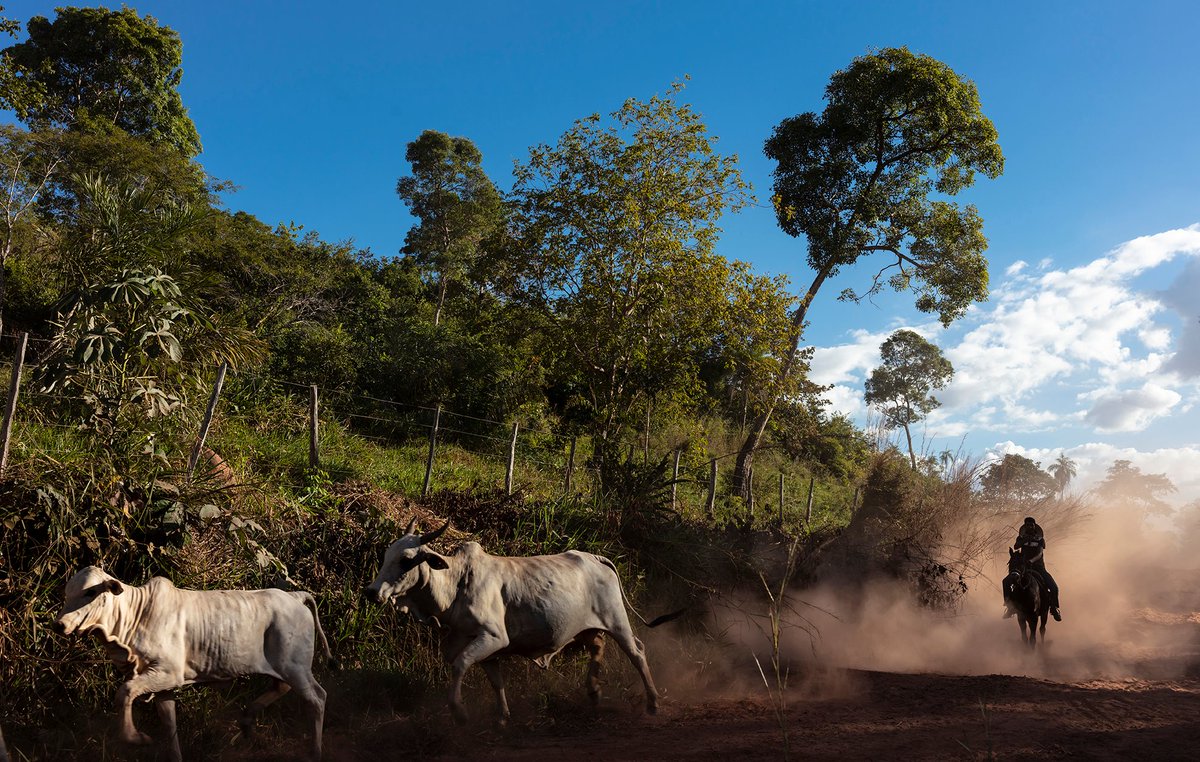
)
(912, 456)
(437, 313)
(745, 458)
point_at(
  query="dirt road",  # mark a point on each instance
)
(881, 716)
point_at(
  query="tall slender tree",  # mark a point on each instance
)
(902, 386)
(457, 207)
(869, 176)
(28, 161)
(1063, 471)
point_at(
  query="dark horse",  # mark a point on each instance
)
(1026, 592)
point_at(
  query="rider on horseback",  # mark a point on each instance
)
(1031, 543)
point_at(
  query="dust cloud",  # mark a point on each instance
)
(1129, 603)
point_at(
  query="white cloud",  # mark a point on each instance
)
(1092, 460)
(1131, 410)
(1082, 349)
(1047, 342)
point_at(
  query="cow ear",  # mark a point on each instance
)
(114, 586)
(436, 561)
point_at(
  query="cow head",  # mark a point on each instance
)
(401, 570)
(90, 596)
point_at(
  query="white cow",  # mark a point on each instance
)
(490, 606)
(165, 637)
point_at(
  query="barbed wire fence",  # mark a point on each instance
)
(511, 446)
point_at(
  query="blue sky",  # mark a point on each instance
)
(1089, 345)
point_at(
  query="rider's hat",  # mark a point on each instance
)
(1030, 520)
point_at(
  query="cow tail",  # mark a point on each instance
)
(311, 604)
(625, 599)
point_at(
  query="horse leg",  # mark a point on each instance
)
(1021, 621)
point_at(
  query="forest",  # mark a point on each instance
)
(574, 362)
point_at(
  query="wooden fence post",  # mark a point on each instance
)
(512, 459)
(14, 388)
(712, 489)
(675, 478)
(781, 500)
(208, 416)
(314, 454)
(570, 467)
(808, 508)
(437, 417)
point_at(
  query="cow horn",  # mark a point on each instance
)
(429, 537)
(412, 525)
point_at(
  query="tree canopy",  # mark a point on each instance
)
(1015, 477)
(1125, 484)
(95, 70)
(902, 386)
(617, 224)
(870, 175)
(456, 204)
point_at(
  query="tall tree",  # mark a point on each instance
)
(27, 163)
(1126, 484)
(902, 387)
(618, 223)
(1063, 471)
(1015, 477)
(869, 176)
(95, 70)
(456, 203)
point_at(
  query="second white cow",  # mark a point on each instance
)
(491, 606)
(165, 637)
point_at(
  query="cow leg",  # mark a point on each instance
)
(593, 642)
(636, 652)
(255, 707)
(491, 668)
(314, 705)
(476, 651)
(166, 715)
(147, 682)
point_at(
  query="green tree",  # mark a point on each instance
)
(1063, 471)
(456, 204)
(9, 26)
(869, 176)
(617, 225)
(121, 225)
(1015, 477)
(1126, 484)
(744, 358)
(902, 387)
(28, 161)
(96, 70)
(129, 356)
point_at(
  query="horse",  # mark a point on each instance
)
(1026, 592)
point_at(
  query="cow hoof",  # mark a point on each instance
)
(652, 709)
(460, 716)
(247, 726)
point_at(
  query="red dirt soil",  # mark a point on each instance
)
(881, 716)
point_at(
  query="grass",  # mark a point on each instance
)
(325, 529)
